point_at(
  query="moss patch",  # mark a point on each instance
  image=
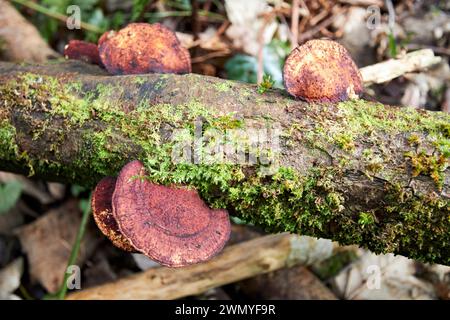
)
(224, 86)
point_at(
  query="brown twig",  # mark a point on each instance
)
(237, 262)
(294, 23)
(211, 55)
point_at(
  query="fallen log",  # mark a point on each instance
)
(357, 172)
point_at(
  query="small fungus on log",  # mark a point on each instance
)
(143, 48)
(83, 51)
(322, 71)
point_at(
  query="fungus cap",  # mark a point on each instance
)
(83, 51)
(105, 36)
(144, 48)
(322, 71)
(102, 211)
(172, 226)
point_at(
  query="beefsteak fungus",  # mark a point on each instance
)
(143, 48)
(172, 226)
(83, 51)
(322, 71)
(101, 205)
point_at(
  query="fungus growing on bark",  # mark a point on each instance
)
(102, 212)
(83, 51)
(172, 226)
(143, 48)
(322, 71)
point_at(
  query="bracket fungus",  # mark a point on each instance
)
(102, 211)
(322, 71)
(143, 48)
(171, 225)
(105, 36)
(83, 51)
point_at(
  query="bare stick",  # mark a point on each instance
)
(237, 262)
(390, 69)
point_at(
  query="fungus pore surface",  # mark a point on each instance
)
(102, 212)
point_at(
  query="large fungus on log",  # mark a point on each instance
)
(102, 211)
(143, 48)
(83, 51)
(322, 71)
(172, 226)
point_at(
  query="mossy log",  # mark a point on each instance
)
(357, 172)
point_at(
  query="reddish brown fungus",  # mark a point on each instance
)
(105, 36)
(83, 51)
(144, 48)
(172, 226)
(102, 212)
(322, 71)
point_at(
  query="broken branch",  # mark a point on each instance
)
(237, 262)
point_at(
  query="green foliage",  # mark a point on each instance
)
(366, 219)
(266, 84)
(49, 26)
(76, 190)
(244, 68)
(138, 8)
(392, 45)
(9, 194)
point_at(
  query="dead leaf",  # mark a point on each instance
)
(295, 283)
(248, 27)
(208, 40)
(10, 279)
(385, 277)
(48, 242)
(29, 187)
(10, 220)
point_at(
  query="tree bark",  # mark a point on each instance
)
(356, 172)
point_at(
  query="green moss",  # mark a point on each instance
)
(430, 165)
(414, 139)
(139, 80)
(8, 150)
(366, 219)
(363, 118)
(357, 126)
(345, 141)
(224, 86)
